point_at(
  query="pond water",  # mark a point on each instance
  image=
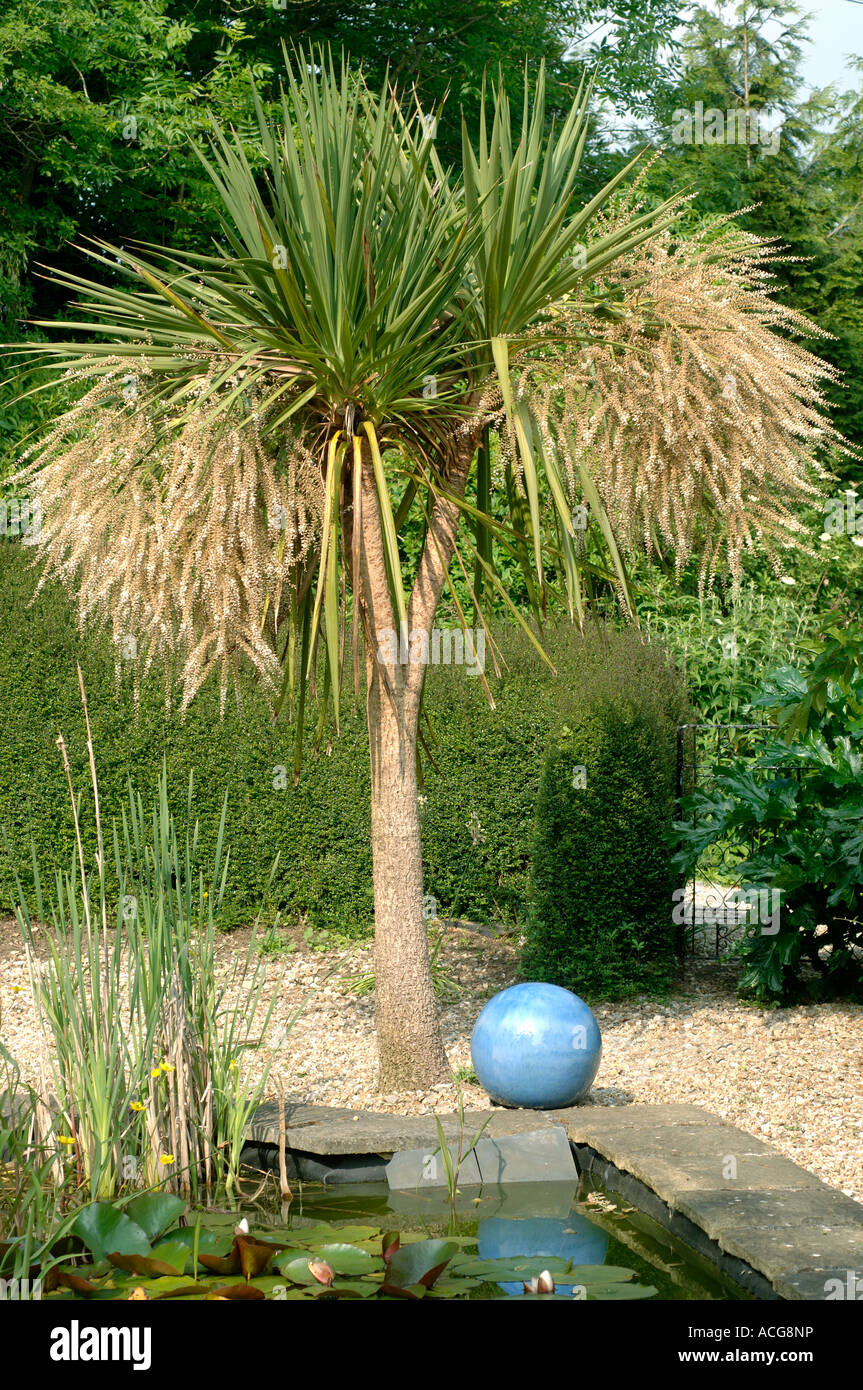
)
(580, 1222)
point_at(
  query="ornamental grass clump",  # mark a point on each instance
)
(695, 419)
(177, 532)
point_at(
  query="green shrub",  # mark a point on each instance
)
(601, 882)
(798, 807)
(723, 644)
(488, 763)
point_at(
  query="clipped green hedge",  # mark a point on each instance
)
(477, 815)
(599, 918)
(478, 808)
(320, 827)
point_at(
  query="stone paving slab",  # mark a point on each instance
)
(677, 1173)
(413, 1168)
(781, 1220)
(543, 1155)
(691, 1155)
(820, 1208)
(829, 1284)
(598, 1119)
(794, 1250)
(321, 1129)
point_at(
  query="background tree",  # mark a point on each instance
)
(98, 101)
(805, 187)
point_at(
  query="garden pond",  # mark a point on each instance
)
(362, 1241)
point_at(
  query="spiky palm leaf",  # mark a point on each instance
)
(366, 313)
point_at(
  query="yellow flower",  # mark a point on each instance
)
(166, 1066)
(66, 1138)
(156, 1071)
(135, 1105)
(231, 1065)
(166, 1159)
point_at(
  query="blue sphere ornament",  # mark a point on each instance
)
(536, 1046)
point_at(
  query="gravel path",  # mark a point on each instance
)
(793, 1077)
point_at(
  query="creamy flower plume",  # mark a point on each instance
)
(177, 533)
(696, 410)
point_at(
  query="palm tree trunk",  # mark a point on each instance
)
(410, 1047)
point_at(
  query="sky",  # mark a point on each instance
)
(835, 30)
(835, 33)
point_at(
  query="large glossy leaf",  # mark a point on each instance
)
(104, 1230)
(419, 1263)
(155, 1211)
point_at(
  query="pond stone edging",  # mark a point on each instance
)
(757, 1206)
(765, 1221)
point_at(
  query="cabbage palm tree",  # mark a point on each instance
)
(260, 420)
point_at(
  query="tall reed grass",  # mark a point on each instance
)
(143, 1079)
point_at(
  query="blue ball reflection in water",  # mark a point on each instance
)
(574, 1238)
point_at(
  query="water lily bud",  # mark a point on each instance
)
(543, 1283)
(321, 1271)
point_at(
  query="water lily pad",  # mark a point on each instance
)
(419, 1263)
(450, 1286)
(211, 1242)
(172, 1286)
(347, 1259)
(297, 1270)
(244, 1293)
(167, 1258)
(173, 1252)
(65, 1279)
(322, 1234)
(514, 1267)
(617, 1293)
(154, 1212)
(247, 1256)
(342, 1235)
(596, 1274)
(105, 1230)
